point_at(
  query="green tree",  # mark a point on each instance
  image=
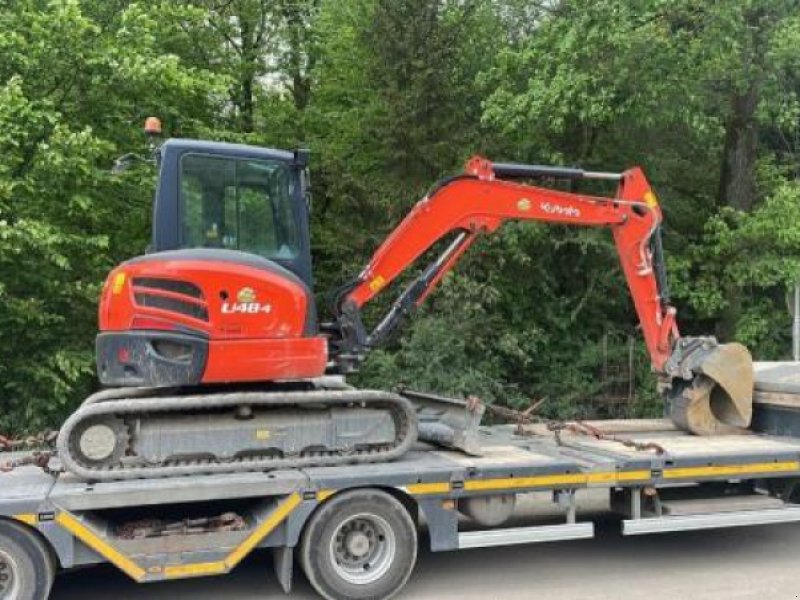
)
(685, 89)
(394, 108)
(391, 96)
(75, 80)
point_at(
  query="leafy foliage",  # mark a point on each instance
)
(391, 96)
(73, 80)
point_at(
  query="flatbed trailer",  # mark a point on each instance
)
(354, 530)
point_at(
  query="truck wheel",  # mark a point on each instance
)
(360, 545)
(26, 565)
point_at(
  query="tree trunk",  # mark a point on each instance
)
(298, 55)
(247, 75)
(737, 181)
(737, 187)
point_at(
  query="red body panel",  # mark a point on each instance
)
(255, 320)
(244, 360)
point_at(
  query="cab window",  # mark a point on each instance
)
(239, 204)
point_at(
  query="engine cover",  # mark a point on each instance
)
(206, 316)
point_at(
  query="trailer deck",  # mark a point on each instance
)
(659, 479)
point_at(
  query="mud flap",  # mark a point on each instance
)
(713, 394)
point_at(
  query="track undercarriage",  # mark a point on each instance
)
(132, 433)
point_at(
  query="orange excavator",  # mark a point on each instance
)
(214, 358)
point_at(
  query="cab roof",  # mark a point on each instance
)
(226, 149)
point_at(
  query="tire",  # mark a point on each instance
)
(360, 545)
(44, 549)
(25, 562)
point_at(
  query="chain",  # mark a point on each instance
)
(42, 439)
(42, 445)
(581, 428)
(37, 459)
(528, 416)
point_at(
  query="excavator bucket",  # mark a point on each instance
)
(713, 394)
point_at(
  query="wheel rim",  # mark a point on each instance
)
(9, 576)
(362, 549)
(98, 442)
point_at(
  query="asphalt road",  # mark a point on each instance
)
(736, 564)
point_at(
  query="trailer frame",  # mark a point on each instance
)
(75, 520)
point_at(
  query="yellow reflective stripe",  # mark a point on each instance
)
(712, 471)
(604, 477)
(444, 487)
(617, 476)
(418, 489)
(275, 518)
(477, 485)
(195, 570)
(27, 518)
(323, 495)
(104, 549)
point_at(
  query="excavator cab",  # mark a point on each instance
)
(234, 197)
(224, 293)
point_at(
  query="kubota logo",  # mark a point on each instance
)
(558, 209)
(246, 303)
(246, 295)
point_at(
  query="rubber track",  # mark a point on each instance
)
(137, 402)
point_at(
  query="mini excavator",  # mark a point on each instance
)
(214, 359)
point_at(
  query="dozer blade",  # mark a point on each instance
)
(447, 422)
(712, 387)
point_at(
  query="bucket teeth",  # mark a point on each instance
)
(717, 396)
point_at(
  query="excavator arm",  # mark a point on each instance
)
(486, 196)
(479, 202)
